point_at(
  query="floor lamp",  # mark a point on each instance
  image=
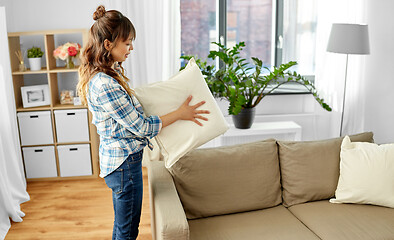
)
(348, 39)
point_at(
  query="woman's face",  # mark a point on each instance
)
(122, 50)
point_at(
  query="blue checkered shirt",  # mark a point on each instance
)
(120, 122)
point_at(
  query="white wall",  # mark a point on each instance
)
(36, 15)
(379, 98)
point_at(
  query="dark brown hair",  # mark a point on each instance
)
(115, 27)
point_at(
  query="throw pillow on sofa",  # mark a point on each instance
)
(366, 174)
(229, 179)
(310, 169)
(163, 97)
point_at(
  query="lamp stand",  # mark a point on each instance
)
(344, 95)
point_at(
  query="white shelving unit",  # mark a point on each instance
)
(66, 127)
(285, 130)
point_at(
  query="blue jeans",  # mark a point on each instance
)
(127, 189)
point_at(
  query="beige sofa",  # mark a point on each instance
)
(262, 190)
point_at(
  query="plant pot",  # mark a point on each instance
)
(35, 64)
(244, 119)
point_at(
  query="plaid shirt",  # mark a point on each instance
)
(120, 122)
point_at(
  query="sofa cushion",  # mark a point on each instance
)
(366, 174)
(346, 221)
(272, 223)
(228, 179)
(163, 97)
(310, 170)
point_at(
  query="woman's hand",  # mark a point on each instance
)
(185, 112)
(188, 112)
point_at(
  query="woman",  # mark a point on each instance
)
(124, 130)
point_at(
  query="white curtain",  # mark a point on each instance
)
(157, 47)
(171, 38)
(12, 179)
(330, 67)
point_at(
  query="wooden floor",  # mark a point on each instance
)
(72, 209)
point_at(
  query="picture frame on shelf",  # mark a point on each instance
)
(34, 96)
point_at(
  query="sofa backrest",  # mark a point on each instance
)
(310, 170)
(228, 179)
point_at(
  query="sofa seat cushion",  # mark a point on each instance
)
(272, 223)
(346, 221)
(310, 169)
(228, 179)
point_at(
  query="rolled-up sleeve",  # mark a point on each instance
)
(115, 101)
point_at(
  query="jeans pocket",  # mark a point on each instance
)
(135, 158)
(115, 181)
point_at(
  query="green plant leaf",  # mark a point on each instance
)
(34, 52)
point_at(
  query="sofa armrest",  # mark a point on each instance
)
(167, 215)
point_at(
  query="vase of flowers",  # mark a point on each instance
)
(67, 52)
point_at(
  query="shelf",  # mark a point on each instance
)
(71, 143)
(49, 32)
(68, 106)
(47, 108)
(40, 145)
(57, 144)
(60, 178)
(31, 109)
(63, 70)
(283, 130)
(43, 70)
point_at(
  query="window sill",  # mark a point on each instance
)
(290, 88)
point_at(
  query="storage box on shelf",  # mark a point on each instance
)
(46, 132)
(40, 161)
(74, 160)
(71, 125)
(35, 128)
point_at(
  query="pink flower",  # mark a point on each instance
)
(56, 53)
(63, 55)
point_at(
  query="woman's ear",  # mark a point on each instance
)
(107, 44)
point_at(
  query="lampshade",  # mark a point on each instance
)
(349, 39)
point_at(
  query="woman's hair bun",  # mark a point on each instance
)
(100, 12)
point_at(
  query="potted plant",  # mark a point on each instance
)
(244, 85)
(34, 55)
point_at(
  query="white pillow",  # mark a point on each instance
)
(161, 98)
(366, 174)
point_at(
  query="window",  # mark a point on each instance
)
(296, 34)
(198, 27)
(250, 22)
(276, 31)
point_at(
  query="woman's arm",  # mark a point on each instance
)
(185, 112)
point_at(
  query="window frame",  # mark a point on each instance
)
(276, 45)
